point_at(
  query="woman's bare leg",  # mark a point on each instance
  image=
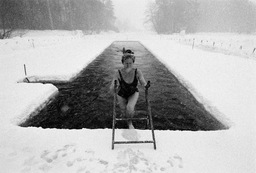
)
(132, 100)
(122, 102)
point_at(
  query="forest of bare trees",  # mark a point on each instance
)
(86, 15)
(165, 16)
(172, 16)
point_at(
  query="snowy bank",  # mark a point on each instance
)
(22, 100)
(220, 82)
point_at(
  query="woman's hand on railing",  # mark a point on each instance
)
(148, 85)
(115, 86)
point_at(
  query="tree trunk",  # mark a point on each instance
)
(71, 15)
(50, 14)
(3, 18)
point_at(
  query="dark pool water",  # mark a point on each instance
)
(87, 103)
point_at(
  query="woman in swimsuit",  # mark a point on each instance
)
(128, 77)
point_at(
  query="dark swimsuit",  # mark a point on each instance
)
(126, 90)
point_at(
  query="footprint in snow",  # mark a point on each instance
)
(179, 160)
(86, 158)
(133, 161)
(63, 152)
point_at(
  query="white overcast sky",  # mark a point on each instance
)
(131, 10)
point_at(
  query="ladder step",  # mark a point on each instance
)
(123, 119)
(132, 142)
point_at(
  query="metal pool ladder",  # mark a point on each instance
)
(148, 118)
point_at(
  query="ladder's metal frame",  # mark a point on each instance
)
(148, 118)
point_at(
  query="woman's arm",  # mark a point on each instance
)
(141, 78)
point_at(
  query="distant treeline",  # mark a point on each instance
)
(88, 15)
(172, 16)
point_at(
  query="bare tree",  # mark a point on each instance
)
(90, 15)
(50, 14)
(10, 17)
(151, 15)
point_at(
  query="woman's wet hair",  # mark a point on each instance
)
(129, 51)
(125, 57)
(128, 54)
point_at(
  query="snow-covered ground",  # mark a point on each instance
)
(225, 84)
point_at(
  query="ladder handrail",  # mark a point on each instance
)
(114, 114)
(149, 113)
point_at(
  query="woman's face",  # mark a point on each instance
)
(128, 63)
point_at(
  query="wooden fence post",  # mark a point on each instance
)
(25, 70)
(254, 50)
(193, 43)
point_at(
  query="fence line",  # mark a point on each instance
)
(241, 47)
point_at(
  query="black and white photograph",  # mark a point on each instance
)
(128, 86)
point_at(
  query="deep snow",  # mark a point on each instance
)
(225, 84)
